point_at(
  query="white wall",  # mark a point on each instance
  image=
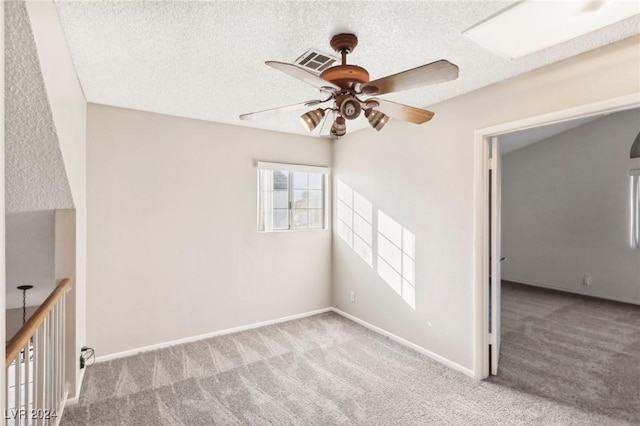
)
(68, 107)
(173, 247)
(29, 256)
(423, 178)
(565, 210)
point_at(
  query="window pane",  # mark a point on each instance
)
(280, 219)
(281, 199)
(635, 209)
(300, 218)
(316, 199)
(316, 181)
(316, 218)
(300, 199)
(300, 180)
(280, 179)
(287, 202)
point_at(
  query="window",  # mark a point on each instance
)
(291, 197)
(635, 208)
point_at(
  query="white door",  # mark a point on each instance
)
(495, 258)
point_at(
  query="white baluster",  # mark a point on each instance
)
(26, 365)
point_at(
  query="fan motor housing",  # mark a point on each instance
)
(346, 76)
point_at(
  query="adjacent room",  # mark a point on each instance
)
(570, 273)
(270, 212)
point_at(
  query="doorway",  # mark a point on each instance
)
(487, 223)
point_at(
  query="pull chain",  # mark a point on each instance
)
(24, 306)
(24, 289)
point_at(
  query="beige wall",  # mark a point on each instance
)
(29, 245)
(69, 109)
(65, 267)
(423, 178)
(13, 318)
(3, 336)
(173, 249)
(566, 210)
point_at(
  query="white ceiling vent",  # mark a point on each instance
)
(315, 61)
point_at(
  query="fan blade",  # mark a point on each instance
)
(435, 72)
(306, 76)
(275, 111)
(402, 112)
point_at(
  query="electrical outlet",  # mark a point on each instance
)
(353, 297)
(587, 279)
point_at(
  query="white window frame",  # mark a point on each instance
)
(325, 171)
(634, 201)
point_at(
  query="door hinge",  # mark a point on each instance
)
(492, 339)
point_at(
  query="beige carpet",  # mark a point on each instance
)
(321, 370)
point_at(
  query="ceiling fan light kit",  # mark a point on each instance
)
(377, 119)
(311, 119)
(345, 84)
(339, 127)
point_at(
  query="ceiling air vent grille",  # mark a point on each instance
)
(315, 61)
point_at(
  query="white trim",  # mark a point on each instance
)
(574, 291)
(58, 417)
(163, 345)
(634, 172)
(480, 325)
(293, 167)
(407, 343)
(76, 399)
(608, 106)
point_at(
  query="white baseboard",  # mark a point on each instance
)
(58, 417)
(407, 343)
(75, 399)
(574, 291)
(163, 345)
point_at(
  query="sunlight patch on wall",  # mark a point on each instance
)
(355, 222)
(396, 257)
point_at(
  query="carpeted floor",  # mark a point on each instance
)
(577, 350)
(326, 370)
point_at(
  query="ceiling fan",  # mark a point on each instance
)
(345, 86)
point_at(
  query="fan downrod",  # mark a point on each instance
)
(344, 43)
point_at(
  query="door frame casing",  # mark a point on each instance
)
(481, 208)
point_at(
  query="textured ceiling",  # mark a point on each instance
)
(35, 176)
(205, 60)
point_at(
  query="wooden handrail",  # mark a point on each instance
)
(21, 338)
